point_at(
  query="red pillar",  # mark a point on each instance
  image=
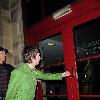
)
(39, 94)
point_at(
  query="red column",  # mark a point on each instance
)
(39, 94)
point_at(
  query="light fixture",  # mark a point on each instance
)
(50, 44)
(62, 12)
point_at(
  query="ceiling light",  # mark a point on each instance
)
(62, 12)
(51, 44)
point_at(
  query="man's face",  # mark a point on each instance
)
(37, 59)
(2, 56)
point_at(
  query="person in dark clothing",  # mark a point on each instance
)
(5, 71)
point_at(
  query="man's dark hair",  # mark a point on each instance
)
(29, 52)
(3, 49)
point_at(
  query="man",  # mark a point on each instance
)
(23, 81)
(5, 70)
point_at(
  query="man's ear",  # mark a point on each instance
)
(32, 59)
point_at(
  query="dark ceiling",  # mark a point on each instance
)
(35, 10)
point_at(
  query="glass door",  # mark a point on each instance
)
(87, 48)
(53, 62)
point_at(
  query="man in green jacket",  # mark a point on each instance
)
(23, 80)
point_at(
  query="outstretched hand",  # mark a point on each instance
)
(66, 73)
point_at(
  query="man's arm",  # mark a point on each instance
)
(50, 76)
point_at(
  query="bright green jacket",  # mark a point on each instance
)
(23, 81)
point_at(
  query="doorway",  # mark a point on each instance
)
(53, 62)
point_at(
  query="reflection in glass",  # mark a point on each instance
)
(87, 39)
(89, 77)
(85, 76)
(87, 46)
(57, 89)
(52, 51)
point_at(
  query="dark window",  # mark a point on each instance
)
(87, 39)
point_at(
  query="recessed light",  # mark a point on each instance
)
(50, 44)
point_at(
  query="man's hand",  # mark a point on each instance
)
(66, 73)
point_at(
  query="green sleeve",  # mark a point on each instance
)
(47, 76)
